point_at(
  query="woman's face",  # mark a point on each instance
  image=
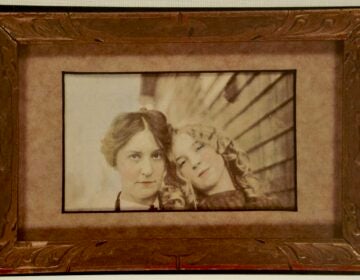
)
(141, 165)
(198, 162)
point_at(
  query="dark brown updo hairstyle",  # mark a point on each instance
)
(126, 125)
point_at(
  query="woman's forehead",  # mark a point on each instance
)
(182, 142)
(141, 141)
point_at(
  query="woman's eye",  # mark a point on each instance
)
(134, 156)
(199, 146)
(181, 163)
(157, 155)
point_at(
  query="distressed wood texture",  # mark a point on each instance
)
(180, 26)
(351, 138)
(8, 139)
(17, 29)
(179, 254)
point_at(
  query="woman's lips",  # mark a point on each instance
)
(203, 172)
(146, 182)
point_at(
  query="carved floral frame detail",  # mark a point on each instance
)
(16, 29)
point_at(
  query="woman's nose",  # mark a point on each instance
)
(146, 167)
(195, 161)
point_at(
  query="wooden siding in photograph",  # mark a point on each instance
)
(255, 109)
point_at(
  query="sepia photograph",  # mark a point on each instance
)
(179, 141)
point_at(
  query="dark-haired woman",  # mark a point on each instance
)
(136, 145)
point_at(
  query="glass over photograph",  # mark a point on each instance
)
(179, 141)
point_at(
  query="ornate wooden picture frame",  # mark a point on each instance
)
(179, 246)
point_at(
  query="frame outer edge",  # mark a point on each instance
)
(351, 139)
(297, 25)
(9, 144)
(180, 26)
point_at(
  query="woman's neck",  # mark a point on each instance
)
(146, 201)
(224, 184)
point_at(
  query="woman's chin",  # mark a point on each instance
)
(147, 194)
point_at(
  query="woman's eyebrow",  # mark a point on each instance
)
(133, 152)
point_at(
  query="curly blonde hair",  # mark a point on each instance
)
(236, 161)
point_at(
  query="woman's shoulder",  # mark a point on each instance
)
(234, 199)
(265, 202)
(238, 200)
